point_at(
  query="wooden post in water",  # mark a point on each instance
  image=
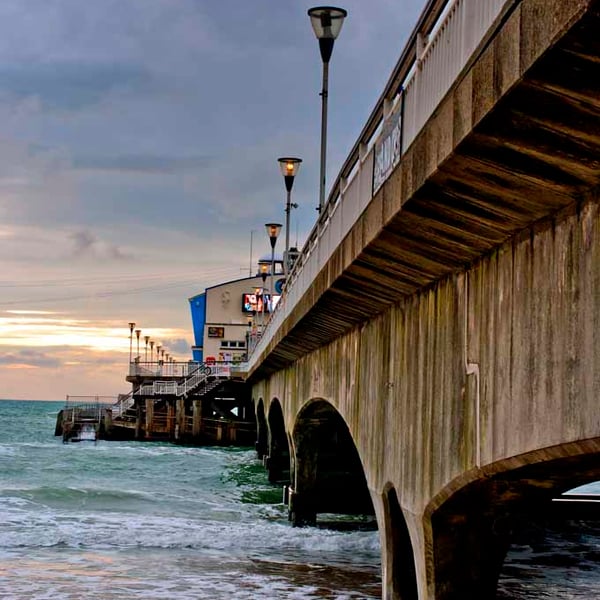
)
(197, 419)
(149, 417)
(139, 420)
(171, 419)
(180, 417)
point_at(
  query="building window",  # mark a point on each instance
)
(234, 344)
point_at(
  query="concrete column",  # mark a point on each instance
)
(197, 419)
(149, 418)
(403, 568)
(302, 507)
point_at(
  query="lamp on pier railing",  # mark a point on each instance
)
(273, 230)
(263, 270)
(131, 328)
(289, 169)
(146, 340)
(327, 23)
(151, 351)
(158, 347)
(137, 335)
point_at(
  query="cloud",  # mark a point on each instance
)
(149, 164)
(29, 358)
(71, 86)
(86, 244)
(178, 346)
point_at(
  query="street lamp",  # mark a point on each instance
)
(137, 335)
(151, 351)
(131, 327)
(263, 269)
(327, 23)
(273, 230)
(289, 168)
(146, 340)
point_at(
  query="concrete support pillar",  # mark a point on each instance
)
(470, 535)
(468, 554)
(278, 464)
(197, 419)
(302, 507)
(403, 568)
(149, 418)
(262, 433)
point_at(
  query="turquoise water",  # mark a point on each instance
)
(127, 520)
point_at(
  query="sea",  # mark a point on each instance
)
(129, 520)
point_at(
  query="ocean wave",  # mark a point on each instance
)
(230, 537)
(72, 496)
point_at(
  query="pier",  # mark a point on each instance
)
(187, 403)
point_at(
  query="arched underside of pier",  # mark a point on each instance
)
(262, 431)
(329, 475)
(473, 526)
(278, 465)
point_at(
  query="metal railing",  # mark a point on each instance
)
(195, 378)
(447, 38)
(86, 408)
(162, 369)
(124, 402)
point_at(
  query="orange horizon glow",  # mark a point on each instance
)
(33, 329)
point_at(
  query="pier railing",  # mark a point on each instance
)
(79, 408)
(163, 369)
(448, 37)
(198, 373)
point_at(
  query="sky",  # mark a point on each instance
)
(138, 164)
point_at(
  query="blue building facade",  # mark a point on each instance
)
(198, 308)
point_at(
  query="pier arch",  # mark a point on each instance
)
(473, 520)
(278, 464)
(262, 433)
(328, 472)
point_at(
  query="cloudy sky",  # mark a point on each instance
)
(138, 147)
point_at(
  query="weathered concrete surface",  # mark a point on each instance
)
(456, 328)
(515, 140)
(528, 316)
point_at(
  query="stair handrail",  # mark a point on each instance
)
(123, 403)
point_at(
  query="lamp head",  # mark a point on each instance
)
(273, 230)
(263, 269)
(289, 168)
(327, 23)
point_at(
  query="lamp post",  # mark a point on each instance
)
(273, 230)
(327, 23)
(146, 340)
(263, 268)
(131, 327)
(137, 335)
(289, 168)
(151, 351)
